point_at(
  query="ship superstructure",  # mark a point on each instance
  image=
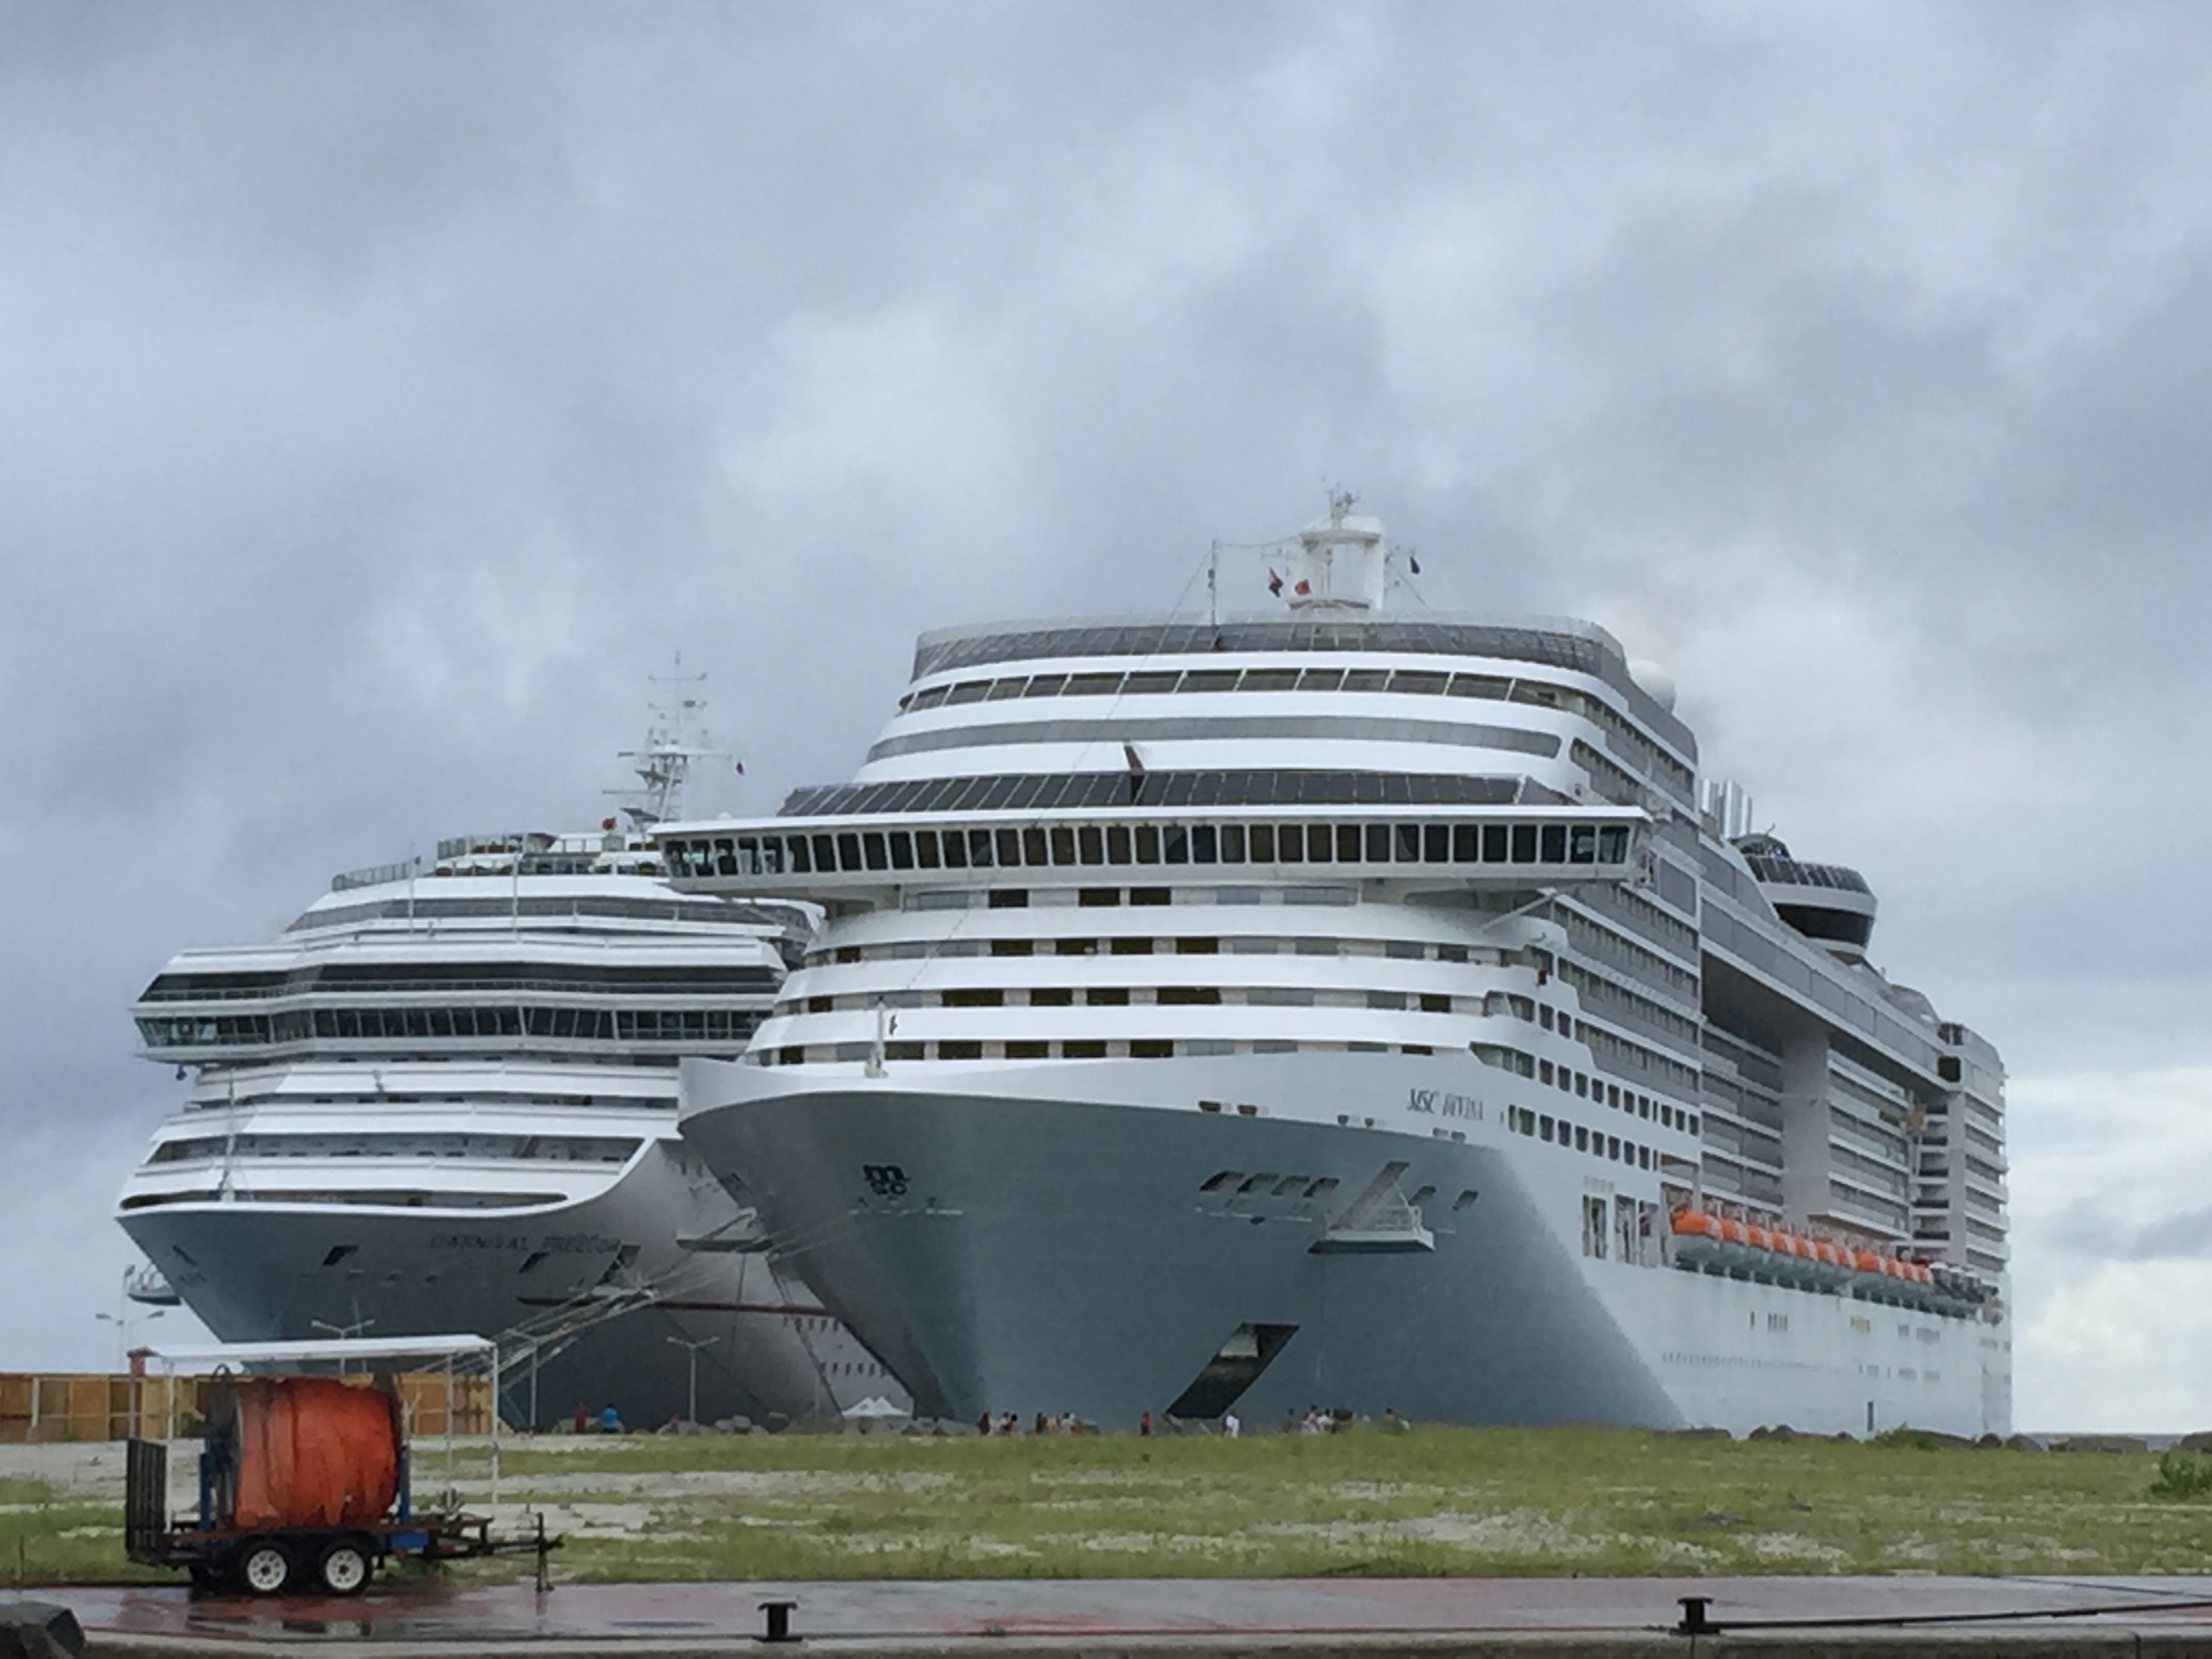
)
(1345, 1008)
(445, 1099)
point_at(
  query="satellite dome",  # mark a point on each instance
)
(1657, 681)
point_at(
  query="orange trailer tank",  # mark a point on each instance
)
(311, 1451)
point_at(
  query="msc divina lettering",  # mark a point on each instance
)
(1344, 1008)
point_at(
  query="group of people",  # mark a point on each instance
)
(1008, 1423)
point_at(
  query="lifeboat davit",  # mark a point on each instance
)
(1701, 1238)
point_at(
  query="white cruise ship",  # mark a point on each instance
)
(445, 1100)
(1348, 1009)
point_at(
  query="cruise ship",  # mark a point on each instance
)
(445, 1100)
(1338, 1007)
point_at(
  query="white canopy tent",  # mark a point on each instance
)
(343, 1351)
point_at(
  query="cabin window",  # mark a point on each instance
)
(1292, 841)
(1204, 845)
(1148, 843)
(1582, 844)
(1378, 843)
(979, 849)
(1117, 843)
(1091, 844)
(878, 857)
(1347, 843)
(1063, 844)
(1555, 844)
(1524, 844)
(1232, 843)
(1493, 843)
(848, 850)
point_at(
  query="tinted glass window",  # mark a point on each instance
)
(1148, 684)
(1524, 844)
(1347, 843)
(1555, 844)
(1092, 685)
(1321, 679)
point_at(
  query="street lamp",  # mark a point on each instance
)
(123, 1322)
(691, 1351)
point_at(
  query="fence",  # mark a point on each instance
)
(37, 1407)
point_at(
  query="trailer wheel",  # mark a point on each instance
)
(344, 1567)
(264, 1567)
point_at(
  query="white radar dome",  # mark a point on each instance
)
(1655, 680)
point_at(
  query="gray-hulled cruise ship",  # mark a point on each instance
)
(444, 1099)
(1346, 1008)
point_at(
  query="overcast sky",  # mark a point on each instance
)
(389, 391)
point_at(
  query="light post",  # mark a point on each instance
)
(691, 1352)
(123, 1322)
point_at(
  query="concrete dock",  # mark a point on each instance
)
(1372, 1618)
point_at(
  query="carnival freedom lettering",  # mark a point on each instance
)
(1437, 1103)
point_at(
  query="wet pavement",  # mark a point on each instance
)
(1553, 1615)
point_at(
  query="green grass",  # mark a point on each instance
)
(47, 1537)
(1437, 1501)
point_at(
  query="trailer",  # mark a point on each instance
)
(305, 1481)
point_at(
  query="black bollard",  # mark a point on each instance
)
(1694, 1622)
(779, 1621)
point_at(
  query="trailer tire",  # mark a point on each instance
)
(345, 1565)
(264, 1566)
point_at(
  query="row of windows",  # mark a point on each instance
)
(1558, 1132)
(1092, 845)
(1261, 944)
(1145, 682)
(695, 979)
(557, 1149)
(1048, 791)
(713, 1025)
(402, 1198)
(1550, 648)
(1070, 1048)
(430, 906)
(1583, 1086)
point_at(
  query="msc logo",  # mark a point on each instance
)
(884, 1179)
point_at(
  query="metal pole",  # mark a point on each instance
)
(494, 1424)
(692, 1349)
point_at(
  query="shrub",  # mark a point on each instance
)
(2183, 1475)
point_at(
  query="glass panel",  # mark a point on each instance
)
(848, 850)
(1555, 844)
(979, 849)
(1321, 679)
(1150, 684)
(1232, 843)
(954, 849)
(1117, 843)
(802, 861)
(928, 699)
(1063, 843)
(1321, 843)
(872, 842)
(1437, 843)
(1204, 846)
(1293, 845)
(902, 850)
(1613, 844)
(1378, 844)
(1420, 681)
(1268, 679)
(1361, 679)
(1347, 843)
(1044, 685)
(1493, 843)
(748, 856)
(1211, 679)
(1476, 685)
(1524, 844)
(969, 692)
(925, 849)
(1034, 853)
(1582, 844)
(1009, 848)
(1092, 685)
(1002, 689)
(1408, 849)
(1148, 843)
(1091, 844)
(1175, 843)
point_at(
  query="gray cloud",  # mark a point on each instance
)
(390, 391)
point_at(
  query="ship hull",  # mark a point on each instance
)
(262, 1272)
(1062, 1239)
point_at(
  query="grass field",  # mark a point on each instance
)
(1449, 1501)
